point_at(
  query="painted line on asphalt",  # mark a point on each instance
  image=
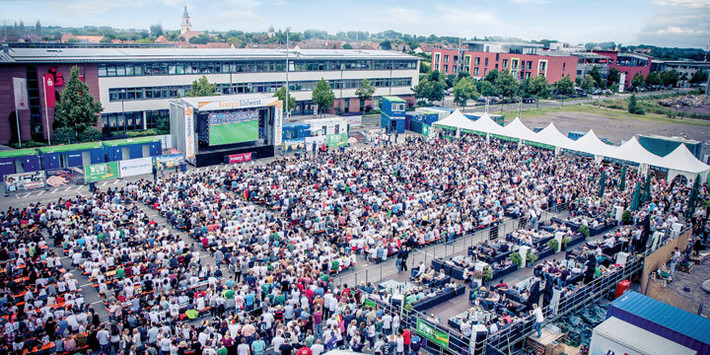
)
(68, 188)
(104, 184)
(41, 192)
(115, 182)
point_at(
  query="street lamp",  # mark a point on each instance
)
(288, 112)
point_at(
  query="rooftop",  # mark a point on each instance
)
(103, 55)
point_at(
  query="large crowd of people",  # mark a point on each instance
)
(279, 233)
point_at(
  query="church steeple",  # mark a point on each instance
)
(186, 25)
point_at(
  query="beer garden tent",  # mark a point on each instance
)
(455, 121)
(682, 162)
(590, 144)
(633, 151)
(485, 124)
(518, 130)
(550, 136)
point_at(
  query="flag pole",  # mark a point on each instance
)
(46, 109)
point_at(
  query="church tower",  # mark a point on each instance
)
(186, 25)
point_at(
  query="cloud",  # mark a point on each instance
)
(684, 3)
(531, 2)
(678, 27)
(677, 30)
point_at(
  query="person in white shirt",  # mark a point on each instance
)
(539, 319)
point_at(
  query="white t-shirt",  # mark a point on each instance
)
(539, 318)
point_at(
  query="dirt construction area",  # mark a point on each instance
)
(622, 128)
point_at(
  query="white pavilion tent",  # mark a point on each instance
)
(682, 162)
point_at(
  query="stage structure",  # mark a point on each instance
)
(221, 129)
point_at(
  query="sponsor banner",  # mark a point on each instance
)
(24, 181)
(355, 121)
(167, 161)
(278, 123)
(435, 336)
(59, 177)
(20, 86)
(239, 158)
(337, 140)
(49, 97)
(101, 171)
(293, 145)
(243, 103)
(426, 130)
(135, 167)
(318, 140)
(189, 133)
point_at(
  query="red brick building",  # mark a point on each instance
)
(522, 60)
(628, 63)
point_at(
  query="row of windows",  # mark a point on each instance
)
(167, 92)
(129, 121)
(248, 66)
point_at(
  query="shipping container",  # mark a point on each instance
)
(614, 336)
(662, 145)
(672, 323)
(18, 161)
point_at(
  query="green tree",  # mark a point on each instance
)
(77, 109)
(424, 67)
(156, 30)
(202, 87)
(597, 75)
(386, 45)
(670, 77)
(323, 95)
(613, 77)
(431, 87)
(203, 38)
(588, 83)
(163, 125)
(653, 79)
(637, 81)
(281, 94)
(565, 86)
(506, 84)
(698, 77)
(346, 46)
(450, 80)
(492, 76)
(486, 88)
(634, 107)
(538, 87)
(365, 91)
(464, 90)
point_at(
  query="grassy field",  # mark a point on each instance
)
(600, 111)
(234, 132)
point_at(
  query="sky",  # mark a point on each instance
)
(670, 23)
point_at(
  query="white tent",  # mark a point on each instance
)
(455, 120)
(590, 144)
(633, 151)
(486, 124)
(682, 162)
(517, 129)
(550, 135)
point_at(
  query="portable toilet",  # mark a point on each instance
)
(393, 112)
(18, 161)
(71, 155)
(132, 148)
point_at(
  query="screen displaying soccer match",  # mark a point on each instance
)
(229, 127)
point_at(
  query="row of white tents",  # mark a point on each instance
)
(679, 162)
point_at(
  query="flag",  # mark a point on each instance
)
(246, 194)
(49, 97)
(20, 86)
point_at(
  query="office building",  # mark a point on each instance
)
(135, 85)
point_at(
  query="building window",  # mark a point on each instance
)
(446, 68)
(564, 65)
(436, 66)
(477, 61)
(437, 57)
(527, 76)
(505, 63)
(475, 72)
(485, 71)
(446, 58)
(497, 56)
(486, 62)
(543, 66)
(513, 64)
(530, 64)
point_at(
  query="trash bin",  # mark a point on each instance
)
(622, 287)
(183, 166)
(92, 186)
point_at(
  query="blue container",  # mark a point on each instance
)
(11, 159)
(574, 135)
(672, 323)
(71, 155)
